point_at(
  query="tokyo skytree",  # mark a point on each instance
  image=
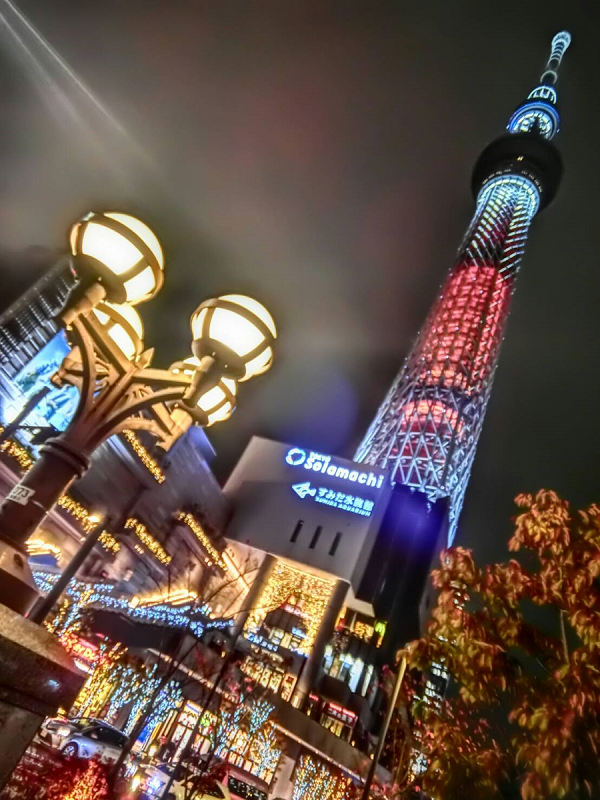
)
(427, 429)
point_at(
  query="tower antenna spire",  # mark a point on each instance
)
(559, 45)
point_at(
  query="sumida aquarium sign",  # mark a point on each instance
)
(324, 465)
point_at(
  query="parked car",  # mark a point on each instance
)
(152, 781)
(85, 737)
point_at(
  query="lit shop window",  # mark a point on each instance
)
(292, 640)
(343, 666)
(271, 676)
(340, 721)
(367, 680)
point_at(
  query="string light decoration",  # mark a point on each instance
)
(265, 750)
(108, 542)
(244, 735)
(363, 631)
(25, 460)
(44, 580)
(260, 711)
(202, 537)
(310, 593)
(116, 681)
(142, 698)
(148, 540)
(172, 616)
(88, 519)
(15, 450)
(39, 547)
(173, 596)
(80, 594)
(313, 780)
(126, 680)
(144, 456)
(228, 725)
(96, 690)
(78, 779)
(169, 699)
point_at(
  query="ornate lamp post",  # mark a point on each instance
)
(119, 263)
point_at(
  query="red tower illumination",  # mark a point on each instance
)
(427, 429)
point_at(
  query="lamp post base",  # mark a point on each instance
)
(36, 678)
(17, 587)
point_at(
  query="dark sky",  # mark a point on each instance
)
(318, 156)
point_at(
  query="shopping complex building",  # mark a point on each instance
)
(295, 568)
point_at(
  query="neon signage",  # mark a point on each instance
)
(317, 462)
(329, 497)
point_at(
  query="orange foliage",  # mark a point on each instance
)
(527, 709)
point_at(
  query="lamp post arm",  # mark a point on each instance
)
(163, 377)
(124, 416)
(101, 341)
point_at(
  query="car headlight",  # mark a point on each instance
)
(63, 730)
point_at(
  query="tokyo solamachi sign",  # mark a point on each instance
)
(317, 462)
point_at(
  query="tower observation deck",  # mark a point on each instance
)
(426, 430)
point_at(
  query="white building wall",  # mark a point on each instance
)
(267, 510)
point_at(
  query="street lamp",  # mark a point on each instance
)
(119, 263)
(120, 254)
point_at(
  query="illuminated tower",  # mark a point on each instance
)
(427, 429)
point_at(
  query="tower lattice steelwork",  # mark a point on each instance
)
(427, 429)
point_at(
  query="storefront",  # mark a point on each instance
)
(176, 731)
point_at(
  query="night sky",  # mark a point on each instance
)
(318, 156)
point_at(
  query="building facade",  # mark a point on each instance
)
(290, 538)
(343, 560)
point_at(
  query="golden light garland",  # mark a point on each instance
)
(287, 584)
(202, 537)
(108, 542)
(39, 547)
(144, 456)
(96, 688)
(148, 540)
(25, 460)
(88, 519)
(313, 780)
(175, 597)
(13, 449)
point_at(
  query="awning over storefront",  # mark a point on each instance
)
(133, 633)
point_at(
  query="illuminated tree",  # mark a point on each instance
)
(59, 779)
(313, 780)
(524, 698)
(87, 781)
(106, 672)
(244, 728)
